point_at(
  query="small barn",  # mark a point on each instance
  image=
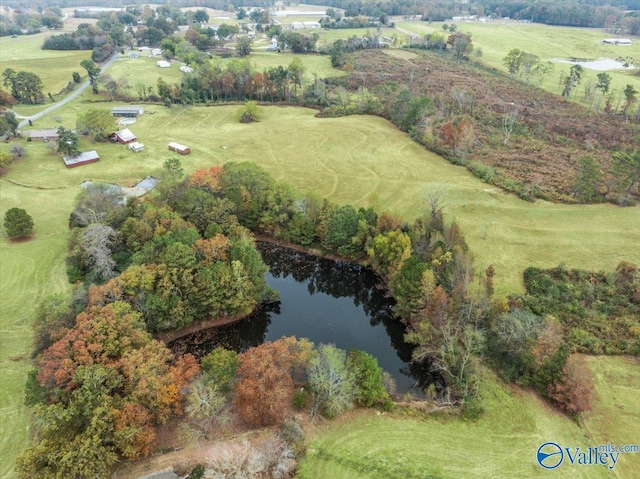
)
(81, 159)
(136, 146)
(43, 135)
(125, 136)
(178, 148)
(127, 111)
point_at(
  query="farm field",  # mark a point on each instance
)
(497, 38)
(502, 443)
(54, 68)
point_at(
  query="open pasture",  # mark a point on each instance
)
(143, 70)
(364, 160)
(29, 271)
(496, 38)
(54, 67)
(502, 443)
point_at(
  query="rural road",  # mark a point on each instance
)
(66, 99)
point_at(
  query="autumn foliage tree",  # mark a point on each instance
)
(266, 377)
(108, 384)
(573, 391)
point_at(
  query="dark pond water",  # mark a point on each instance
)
(327, 302)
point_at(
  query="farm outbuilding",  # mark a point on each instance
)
(125, 136)
(81, 159)
(617, 41)
(136, 146)
(43, 135)
(178, 148)
(127, 111)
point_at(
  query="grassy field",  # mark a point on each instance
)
(144, 70)
(393, 172)
(502, 443)
(497, 38)
(28, 272)
(54, 68)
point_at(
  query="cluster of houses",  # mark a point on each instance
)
(124, 137)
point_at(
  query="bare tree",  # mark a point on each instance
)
(98, 203)
(96, 241)
(330, 381)
(464, 99)
(436, 202)
(509, 119)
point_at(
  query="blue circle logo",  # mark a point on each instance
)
(550, 455)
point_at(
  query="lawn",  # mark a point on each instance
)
(502, 443)
(497, 38)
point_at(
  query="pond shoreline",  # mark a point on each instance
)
(197, 326)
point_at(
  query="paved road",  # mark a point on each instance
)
(66, 99)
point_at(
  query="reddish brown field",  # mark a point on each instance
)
(550, 134)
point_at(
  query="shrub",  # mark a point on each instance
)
(250, 112)
(17, 223)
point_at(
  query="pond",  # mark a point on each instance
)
(326, 301)
(601, 65)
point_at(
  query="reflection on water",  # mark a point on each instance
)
(327, 302)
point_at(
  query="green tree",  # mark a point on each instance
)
(389, 251)
(296, 72)
(603, 83)
(572, 80)
(8, 123)
(626, 168)
(26, 87)
(17, 223)
(93, 71)
(100, 124)
(587, 184)
(513, 61)
(367, 377)
(630, 97)
(243, 46)
(67, 142)
(341, 228)
(220, 367)
(173, 167)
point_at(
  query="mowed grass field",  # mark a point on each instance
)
(497, 38)
(364, 160)
(54, 67)
(29, 271)
(502, 443)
